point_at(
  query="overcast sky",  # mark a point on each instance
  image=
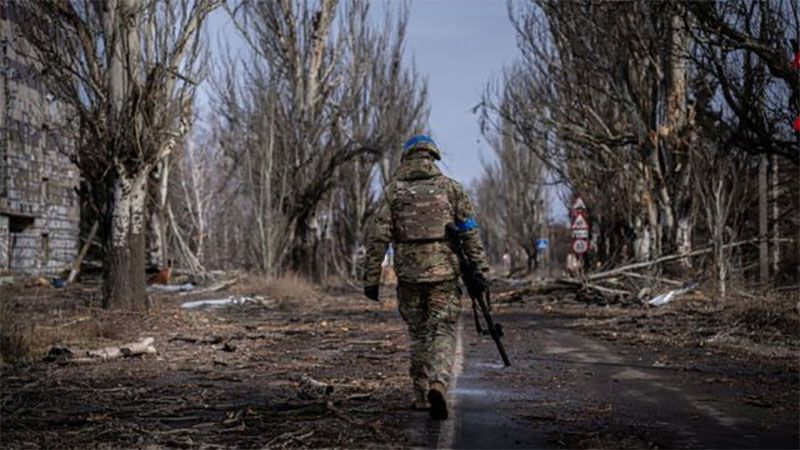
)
(459, 45)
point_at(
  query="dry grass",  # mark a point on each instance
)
(27, 336)
(771, 313)
(20, 340)
(284, 288)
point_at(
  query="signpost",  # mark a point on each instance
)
(542, 244)
(580, 229)
(580, 246)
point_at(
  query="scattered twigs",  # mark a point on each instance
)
(341, 415)
(286, 439)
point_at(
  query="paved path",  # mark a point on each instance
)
(565, 390)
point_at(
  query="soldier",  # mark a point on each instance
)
(416, 207)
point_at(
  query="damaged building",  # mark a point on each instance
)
(39, 207)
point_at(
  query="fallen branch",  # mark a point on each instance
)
(652, 278)
(140, 347)
(218, 286)
(216, 303)
(76, 267)
(663, 259)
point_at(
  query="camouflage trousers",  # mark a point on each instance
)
(431, 311)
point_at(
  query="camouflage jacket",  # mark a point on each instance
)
(424, 261)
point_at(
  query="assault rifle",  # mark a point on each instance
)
(478, 289)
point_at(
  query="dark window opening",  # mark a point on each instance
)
(18, 224)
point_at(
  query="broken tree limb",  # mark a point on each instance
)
(189, 257)
(663, 259)
(653, 278)
(144, 345)
(218, 286)
(141, 347)
(582, 284)
(76, 267)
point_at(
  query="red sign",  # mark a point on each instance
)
(580, 246)
(578, 203)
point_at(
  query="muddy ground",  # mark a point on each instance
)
(231, 377)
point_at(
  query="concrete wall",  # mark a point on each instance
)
(39, 208)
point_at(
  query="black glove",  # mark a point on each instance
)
(371, 292)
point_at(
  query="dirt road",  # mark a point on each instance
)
(574, 391)
(582, 376)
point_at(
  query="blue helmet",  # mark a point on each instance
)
(421, 142)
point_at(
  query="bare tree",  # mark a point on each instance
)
(127, 69)
(512, 198)
(718, 190)
(623, 101)
(320, 106)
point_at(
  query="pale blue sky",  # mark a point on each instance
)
(459, 45)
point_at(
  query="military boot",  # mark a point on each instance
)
(420, 402)
(437, 396)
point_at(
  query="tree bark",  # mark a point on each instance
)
(776, 232)
(763, 221)
(117, 283)
(124, 286)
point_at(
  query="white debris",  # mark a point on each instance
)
(663, 299)
(186, 287)
(217, 303)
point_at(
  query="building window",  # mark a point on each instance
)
(45, 248)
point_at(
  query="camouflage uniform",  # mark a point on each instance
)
(412, 214)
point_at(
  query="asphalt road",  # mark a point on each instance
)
(565, 390)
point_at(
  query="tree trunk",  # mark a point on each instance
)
(763, 222)
(684, 241)
(776, 234)
(138, 247)
(124, 286)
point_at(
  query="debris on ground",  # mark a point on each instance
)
(185, 287)
(215, 287)
(311, 389)
(663, 299)
(217, 303)
(222, 377)
(140, 347)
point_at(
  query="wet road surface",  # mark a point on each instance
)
(565, 390)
